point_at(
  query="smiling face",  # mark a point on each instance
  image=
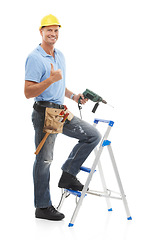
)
(49, 34)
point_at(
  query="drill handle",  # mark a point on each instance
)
(95, 107)
(79, 102)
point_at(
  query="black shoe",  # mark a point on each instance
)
(49, 213)
(70, 182)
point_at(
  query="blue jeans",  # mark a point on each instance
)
(88, 137)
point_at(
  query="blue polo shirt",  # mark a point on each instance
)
(37, 69)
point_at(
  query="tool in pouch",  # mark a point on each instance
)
(94, 98)
(53, 123)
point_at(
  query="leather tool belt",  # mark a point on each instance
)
(55, 117)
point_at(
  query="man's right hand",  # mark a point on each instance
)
(55, 75)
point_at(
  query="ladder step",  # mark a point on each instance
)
(110, 210)
(86, 169)
(76, 193)
(70, 225)
(106, 143)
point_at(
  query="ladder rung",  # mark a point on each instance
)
(76, 193)
(86, 169)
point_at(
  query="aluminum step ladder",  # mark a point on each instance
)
(108, 194)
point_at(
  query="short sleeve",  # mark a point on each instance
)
(33, 69)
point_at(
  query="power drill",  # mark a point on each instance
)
(93, 97)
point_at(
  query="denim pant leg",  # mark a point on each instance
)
(88, 137)
(41, 168)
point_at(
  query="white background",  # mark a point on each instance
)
(113, 48)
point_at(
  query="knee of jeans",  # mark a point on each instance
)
(48, 161)
(48, 150)
(44, 159)
(48, 157)
(96, 137)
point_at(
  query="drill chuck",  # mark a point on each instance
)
(104, 101)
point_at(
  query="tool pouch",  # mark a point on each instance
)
(53, 123)
(53, 120)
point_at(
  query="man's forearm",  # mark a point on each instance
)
(76, 97)
(33, 89)
(68, 93)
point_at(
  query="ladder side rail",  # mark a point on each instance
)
(103, 181)
(62, 200)
(119, 181)
(89, 178)
(100, 168)
(104, 185)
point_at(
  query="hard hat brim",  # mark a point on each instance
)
(53, 24)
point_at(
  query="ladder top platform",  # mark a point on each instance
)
(110, 123)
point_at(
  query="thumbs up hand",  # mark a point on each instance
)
(55, 75)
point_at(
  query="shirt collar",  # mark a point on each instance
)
(41, 50)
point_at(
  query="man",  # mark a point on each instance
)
(45, 81)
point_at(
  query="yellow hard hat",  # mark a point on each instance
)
(49, 20)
